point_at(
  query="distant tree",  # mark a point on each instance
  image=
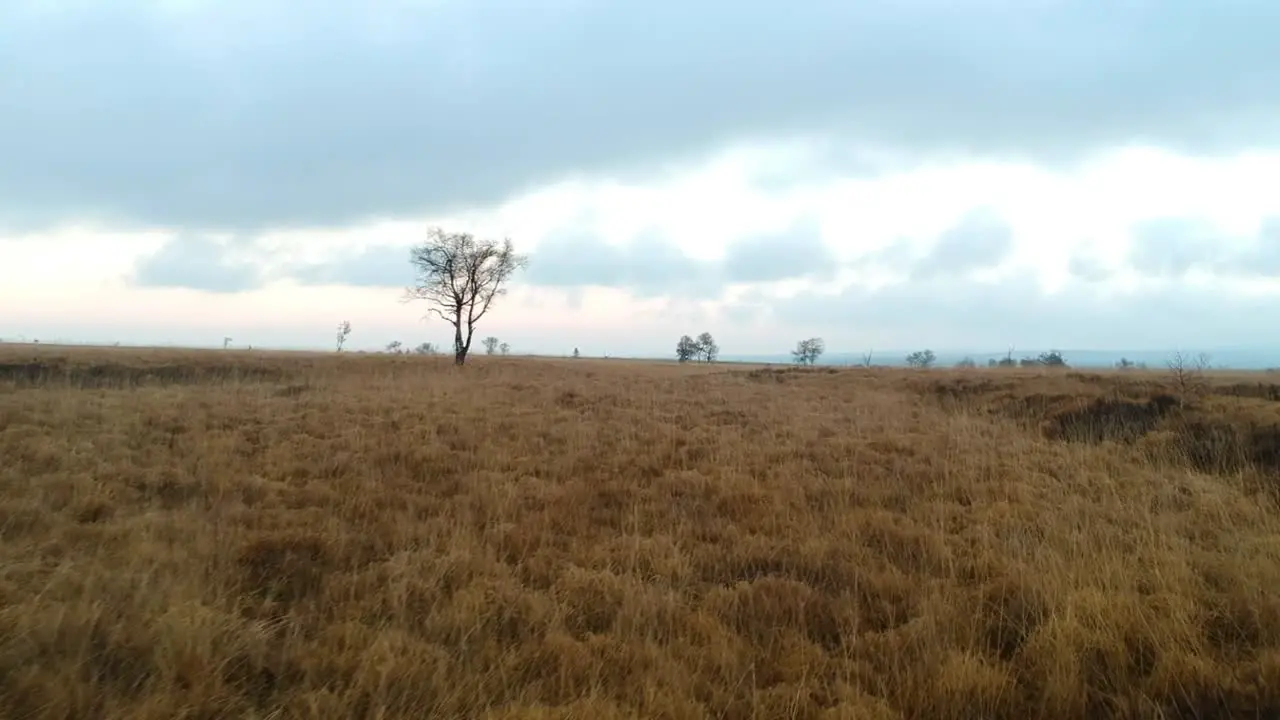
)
(226, 342)
(708, 350)
(808, 351)
(490, 345)
(686, 349)
(866, 359)
(1188, 373)
(1029, 362)
(505, 349)
(425, 348)
(395, 347)
(344, 330)
(459, 276)
(1053, 358)
(992, 362)
(576, 354)
(922, 359)
(966, 363)
(1124, 364)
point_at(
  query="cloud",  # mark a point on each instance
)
(371, 266)
(243, 115)
(979, 241)
(649, 266)
(198, 263)
(1262, 257)
(797, 253)
(958, 313)
(1172, 247)
(1088, 269)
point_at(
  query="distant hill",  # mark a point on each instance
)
(1224, 358)
(1233, 358)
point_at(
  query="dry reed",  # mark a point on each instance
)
(219, 535)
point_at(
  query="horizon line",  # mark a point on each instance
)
(898, 355)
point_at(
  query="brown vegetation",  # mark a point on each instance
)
(219, 535)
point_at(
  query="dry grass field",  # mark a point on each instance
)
(248, 535)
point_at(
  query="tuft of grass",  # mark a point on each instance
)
(221, 534)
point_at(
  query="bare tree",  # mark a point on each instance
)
(226, 342)
(1188, 373)
(395, 347)
(708, 350)
(1053, 358)
(460, 275)
(505, 349)
(490, 345)
(344, 330)
(686, 349)
(866, 359)
(922, 359)
(808, 351)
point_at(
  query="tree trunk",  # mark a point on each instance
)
(459, 350)
(466, 345)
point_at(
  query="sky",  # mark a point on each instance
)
(961, 175)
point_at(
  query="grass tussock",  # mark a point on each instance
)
(216, 535)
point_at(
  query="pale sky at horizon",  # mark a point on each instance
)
(968, 175)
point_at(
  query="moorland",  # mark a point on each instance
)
(232, 534)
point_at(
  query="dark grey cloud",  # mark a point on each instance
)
(1263, 255)
(649, 266)
(1171, 247)
(898, 256)
(955, 313)
(797, 253)
(653, 265)
(373, 266)
(980, 240)
(822, 160)
(1088, 269)
(195, 262)
(243, 114)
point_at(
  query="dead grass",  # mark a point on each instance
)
(218, 535)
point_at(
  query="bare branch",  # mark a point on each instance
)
(459, 276)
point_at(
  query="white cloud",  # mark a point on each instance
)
(72, 282)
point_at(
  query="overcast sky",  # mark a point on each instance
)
(970, 174)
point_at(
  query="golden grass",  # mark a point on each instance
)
(223, 535)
